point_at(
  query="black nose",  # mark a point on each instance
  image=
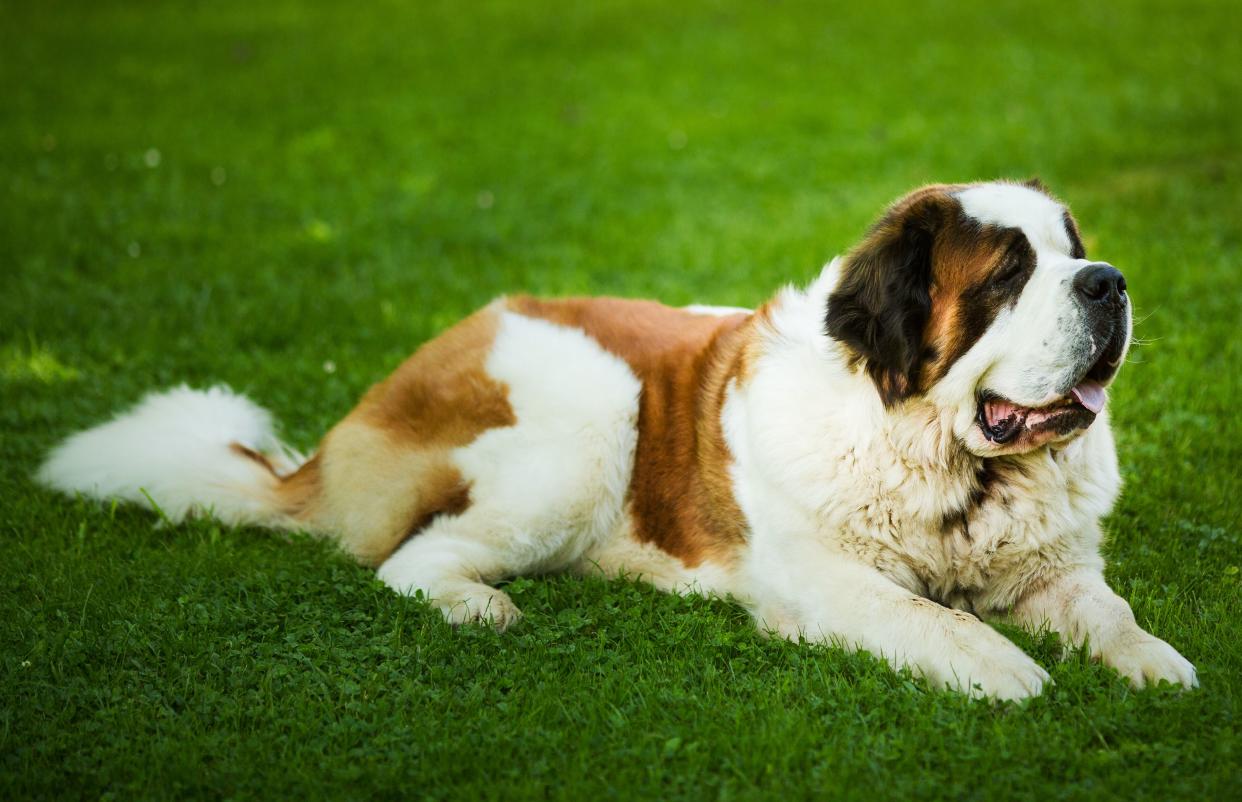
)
(1100, 284)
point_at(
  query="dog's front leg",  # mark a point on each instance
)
(1081, 607)
(855, 606)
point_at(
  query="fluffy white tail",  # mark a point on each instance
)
(187, 452)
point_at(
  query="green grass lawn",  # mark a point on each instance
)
(290, 197)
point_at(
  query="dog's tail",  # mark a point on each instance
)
(187, 452)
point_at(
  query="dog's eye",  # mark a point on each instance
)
(1011, 268)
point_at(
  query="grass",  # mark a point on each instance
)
(289, 197)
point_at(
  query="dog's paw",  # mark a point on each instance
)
(992, 668)
(1007, 678)
(485, 606)
(1146, 660)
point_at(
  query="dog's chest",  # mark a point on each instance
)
(1016, 521)
(972, 536)
(900, 492)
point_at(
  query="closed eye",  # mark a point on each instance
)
(1010, 269)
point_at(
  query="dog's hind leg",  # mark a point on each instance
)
(387, 471)
(451, 563)
(370, 493)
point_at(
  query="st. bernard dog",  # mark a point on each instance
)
(914, 445)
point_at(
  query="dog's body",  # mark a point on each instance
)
(914, 443)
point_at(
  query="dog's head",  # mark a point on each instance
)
(980, 298)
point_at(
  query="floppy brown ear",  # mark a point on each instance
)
(882, 301)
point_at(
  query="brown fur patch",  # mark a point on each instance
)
(442, 395)
(881, 305)
(250, 453)
(923, 286)
(680, 495)
(1077, 249)
(452, 497)
(299, 490)
(385, 472)
(968, 260)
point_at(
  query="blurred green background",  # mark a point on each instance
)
(289, 197)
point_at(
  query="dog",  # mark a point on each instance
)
(914, 445)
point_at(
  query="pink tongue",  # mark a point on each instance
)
(999, 410)
(1090, 394)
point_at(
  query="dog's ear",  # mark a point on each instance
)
(882, 301)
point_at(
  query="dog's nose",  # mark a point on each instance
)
(1100, 283)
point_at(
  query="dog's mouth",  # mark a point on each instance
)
(1003, 422)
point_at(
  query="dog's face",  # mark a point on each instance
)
(981, 298)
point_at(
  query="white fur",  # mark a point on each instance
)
(548, 494)
(847, 500)
(623, 555)
(172, 449)
(1019, 206)
(545, 491)
(1033, 352)
(716, 311)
